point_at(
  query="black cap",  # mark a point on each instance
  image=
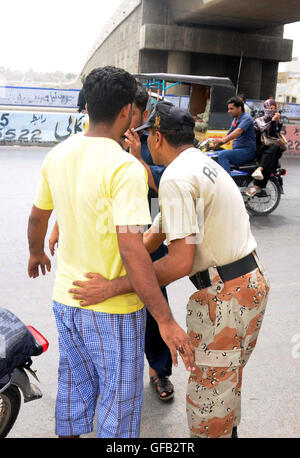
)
(166, 117)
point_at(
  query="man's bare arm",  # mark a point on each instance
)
(151, 182)
(36, 232)
(227, 138)
(233, 135)
(152, 239)
(177, 264)
(53, 239)
(141, 274)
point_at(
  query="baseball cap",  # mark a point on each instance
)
(166, 117)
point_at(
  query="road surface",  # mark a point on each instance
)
(271, 389)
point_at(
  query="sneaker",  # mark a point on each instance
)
(257, 175)
(252, 191)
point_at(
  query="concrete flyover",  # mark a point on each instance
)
(243, 13)
(241, 40)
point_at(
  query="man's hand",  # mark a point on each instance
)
(97, 289)
(134, 142)
(37, 262)
(218, 141)
(276, 117)
(93, 291)
(37, 229)
(53, 240)
(178, 341)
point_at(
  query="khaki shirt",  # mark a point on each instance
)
(197, 196)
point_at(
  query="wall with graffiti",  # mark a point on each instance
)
(48, 128)
(292, 134)
(38, 127)
(38, 97)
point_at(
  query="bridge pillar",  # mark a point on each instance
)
(268, 79)
(176, 36)
(250, 78)
(179, 62)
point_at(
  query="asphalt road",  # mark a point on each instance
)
(271, 391)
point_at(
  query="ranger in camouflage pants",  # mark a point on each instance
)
(224, 321)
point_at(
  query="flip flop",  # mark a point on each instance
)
(257, 174)
(252, 191)
(162, 385)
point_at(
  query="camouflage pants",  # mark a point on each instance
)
(224, 321)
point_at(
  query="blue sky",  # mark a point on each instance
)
(57, 35)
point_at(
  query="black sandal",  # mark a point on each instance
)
(163, 385)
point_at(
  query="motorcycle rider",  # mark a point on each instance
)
(241, 132)
(269, 145)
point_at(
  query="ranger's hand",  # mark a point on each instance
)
(93, 291)
(134, 142)
(178, 341)
(37, 262)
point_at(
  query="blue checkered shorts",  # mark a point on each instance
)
(101, 356)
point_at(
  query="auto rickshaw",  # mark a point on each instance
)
(206, 99)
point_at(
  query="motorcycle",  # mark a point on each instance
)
(265, 201)
(18, 343)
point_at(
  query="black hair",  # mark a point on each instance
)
(107, 90)
(237, 102)
(141, 97)
(242, 97)
(177, 138)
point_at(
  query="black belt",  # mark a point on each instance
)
(228, 272)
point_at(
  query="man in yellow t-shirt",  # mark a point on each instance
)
(99, 193)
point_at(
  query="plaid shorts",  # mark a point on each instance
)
(101, 356)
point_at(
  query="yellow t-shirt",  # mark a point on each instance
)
(94, 186)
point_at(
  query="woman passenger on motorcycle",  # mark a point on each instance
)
(270, 125)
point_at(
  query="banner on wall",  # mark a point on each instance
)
(22, 127)
(38, 97)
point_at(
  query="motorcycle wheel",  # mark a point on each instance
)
(10, 402)
(266, 202)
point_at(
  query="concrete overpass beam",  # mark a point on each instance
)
(189, 49)
(242, 14)
(155, 12)
(214, 41)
